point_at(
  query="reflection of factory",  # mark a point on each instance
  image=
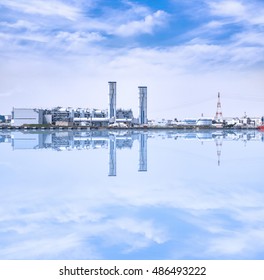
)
(68, 140)
(218, 136)
(83, 116)
(143, 152)
(114, 140)
(79, 140)
(227, 135)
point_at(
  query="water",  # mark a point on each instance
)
(131, 195)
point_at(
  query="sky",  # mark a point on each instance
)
(63, 53)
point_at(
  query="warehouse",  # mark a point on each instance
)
(24, 116)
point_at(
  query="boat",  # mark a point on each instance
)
(261, 127)
(218, 125)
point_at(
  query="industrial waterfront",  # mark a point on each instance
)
(113, 117)
(131, 139)
(89, 183)
(131, 194)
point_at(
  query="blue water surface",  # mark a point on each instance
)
(131, 194)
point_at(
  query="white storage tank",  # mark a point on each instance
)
(204, 122)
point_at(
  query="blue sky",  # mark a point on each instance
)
(63, 53)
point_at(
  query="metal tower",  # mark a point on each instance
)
(219, 115)
(143, 105)
(219, 143)
(112, 100)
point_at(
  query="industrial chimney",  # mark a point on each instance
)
(112, 101)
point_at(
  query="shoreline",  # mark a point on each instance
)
(83, 128)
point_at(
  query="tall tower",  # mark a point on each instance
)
(112, 100)
(143, 105)
(219, 115)
(143, 152)
(112, 155)
(218, 143)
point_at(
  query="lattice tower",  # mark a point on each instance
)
(218, 143)
(219, 115)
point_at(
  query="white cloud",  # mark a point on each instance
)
(77, 75)
(228, 8)
(249, 38)
(226, 21)
(214, 24)
(20, 24)
(78, 36)
(13, 40)
(237, 243)
(132, 21)
(209, 67)
(142, 227)
(45, 8)
(146, 25)
(6, 94)
(84, 46)
(136, 9)
(75, 41)
(4, 36)
(121, 219)
(238, 11)
(57, 34)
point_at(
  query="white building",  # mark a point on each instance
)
(23, 116)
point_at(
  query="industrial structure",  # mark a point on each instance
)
(73, 140)
(60, 116)
(116, 140)
(143, 105)
(112, 101)
(2, 119)
(21, 116)
(112, 155)
(114, 117)
(143, 138)
(219, 115)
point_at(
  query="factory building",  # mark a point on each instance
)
(23, 116)
(2, 118)
(124, 114)
(70, 140)
(143, 105)
(68, 116)
(78, 117)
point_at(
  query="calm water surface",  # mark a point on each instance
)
(131, 195)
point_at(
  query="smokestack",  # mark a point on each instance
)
(112, 100)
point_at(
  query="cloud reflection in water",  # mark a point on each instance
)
(168, 198)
